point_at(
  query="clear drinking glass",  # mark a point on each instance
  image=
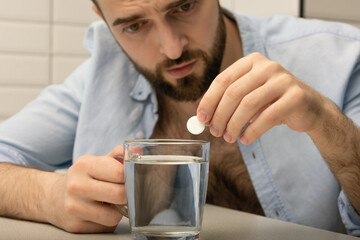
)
(166, 183)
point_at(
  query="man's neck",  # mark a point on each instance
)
(233, 48)
(187, 109)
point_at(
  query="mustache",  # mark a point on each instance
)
(185, 57)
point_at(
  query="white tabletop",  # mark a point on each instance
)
(218, 224)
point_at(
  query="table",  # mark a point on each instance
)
(218, 224)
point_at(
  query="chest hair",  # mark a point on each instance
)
(229, 182)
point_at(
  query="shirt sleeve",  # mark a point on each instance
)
(42, 134)
(352, 95)
(349, 215)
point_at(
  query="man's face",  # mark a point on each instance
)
(177, 45)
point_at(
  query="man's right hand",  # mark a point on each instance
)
(83, 200)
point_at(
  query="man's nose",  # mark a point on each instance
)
(172, 42)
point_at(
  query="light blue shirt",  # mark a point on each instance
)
(106, 101)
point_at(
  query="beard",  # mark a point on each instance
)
(193, 86)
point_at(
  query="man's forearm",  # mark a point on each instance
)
(23, 192)
(338, 140)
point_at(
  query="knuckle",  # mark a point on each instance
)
(284, 80)
(272, 66)
(224, 78)
(83, 158)
(70, 207)
(256, 55)
(81, 163)
(272, 115)
(298, 93)
(249, 101)
(252, 132)
(73, 187)
(233, 93)
(71, 171)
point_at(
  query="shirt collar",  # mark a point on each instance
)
(252, 41)
(141, 90)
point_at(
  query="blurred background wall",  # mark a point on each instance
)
(41, 40)
(40, 44)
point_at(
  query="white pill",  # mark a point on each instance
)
(194, 126)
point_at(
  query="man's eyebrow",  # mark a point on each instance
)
(173, 5)
(119, 21)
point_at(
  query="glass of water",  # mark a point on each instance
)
(166, 183)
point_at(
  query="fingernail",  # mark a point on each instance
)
(244, 140)
(214, 131)
(119, 158)
(227, 137)
(202, 116)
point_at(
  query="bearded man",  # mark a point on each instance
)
(282, 113)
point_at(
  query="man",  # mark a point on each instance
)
(297, 156)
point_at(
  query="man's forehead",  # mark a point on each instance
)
(141, 3)
(124, 11)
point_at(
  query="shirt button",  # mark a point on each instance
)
(277, 212)
(140, 135)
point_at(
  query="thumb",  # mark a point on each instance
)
(117, 153)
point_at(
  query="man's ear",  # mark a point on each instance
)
(96, 10)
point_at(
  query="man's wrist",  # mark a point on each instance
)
(51, 193)
(329, 119)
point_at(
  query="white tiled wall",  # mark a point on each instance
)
(264, 8)
(339, 10)
(347, 11)
(40, 44)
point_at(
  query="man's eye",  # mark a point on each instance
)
(186, 7)
(133, 27)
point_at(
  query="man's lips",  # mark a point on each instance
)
(182, 70)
